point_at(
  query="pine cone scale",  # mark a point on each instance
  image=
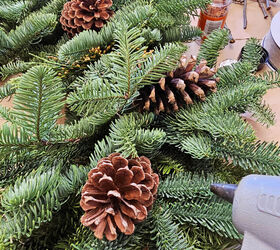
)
(138, 174)
(131, 191)
(123, 177)
(110, 230)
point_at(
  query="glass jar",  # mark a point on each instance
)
(214, 16)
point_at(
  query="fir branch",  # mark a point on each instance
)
(234, 74)
(186, 186)
(33, 200)
(167, 165)
(202, 238)
(38, 101)
(130, 139)
(83, 239)
(6, 114)
(32, 29)
(166, 233)
(252, 52)
(7, 90)
(199, 146)
(95, 97)
(271, 77)
(261, 157)
(263, 113)
(102, 149)
(214, 214)
(161, 61)
(180, 7)
(16, 67)
(13, 138)
(53, 7)
(182, 33)
(210, 48)
(13, 11)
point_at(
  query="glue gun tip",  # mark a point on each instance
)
(225, 191)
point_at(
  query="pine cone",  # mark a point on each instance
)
(180, 87)
(79, 15)
(118, 193)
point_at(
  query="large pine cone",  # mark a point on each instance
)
(118, 193)
(180, 87)
(79, 15)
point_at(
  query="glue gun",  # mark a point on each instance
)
(255, 211)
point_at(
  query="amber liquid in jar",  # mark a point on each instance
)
(214, 16)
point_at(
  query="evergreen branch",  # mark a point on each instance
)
(6, 114)
(13, 68)
(13, 11)
(13, 138)
(271, 77)
(38, 101)
(53, 7)
(130, 140)
(262, 157)
(152, 36)
(263, 113)
(234, 75)
(33, 28)
(161, 61)
(34, 199)
(94, 96)
(102, 149)
(180, 7)
(198, 146)
(84, 128)
(83, 239)
(127, 57)
(82, 43)
(15, 166)
(166, 233)
(202, 238)
(210, 48)
(37, 184)
(186, 186)
(5, 45)
(214, 214)
(7, 90)
(252, 52)
(218, 123)
(182, 33)
(167, 165)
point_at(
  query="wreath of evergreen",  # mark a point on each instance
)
(43, 165)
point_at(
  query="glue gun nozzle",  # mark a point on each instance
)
(225, 191)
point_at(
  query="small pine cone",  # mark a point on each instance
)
(180, 87)
(79, 15)
(119, 192)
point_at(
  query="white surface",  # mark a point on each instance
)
(275, 28)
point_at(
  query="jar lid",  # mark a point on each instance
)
(221, 3)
